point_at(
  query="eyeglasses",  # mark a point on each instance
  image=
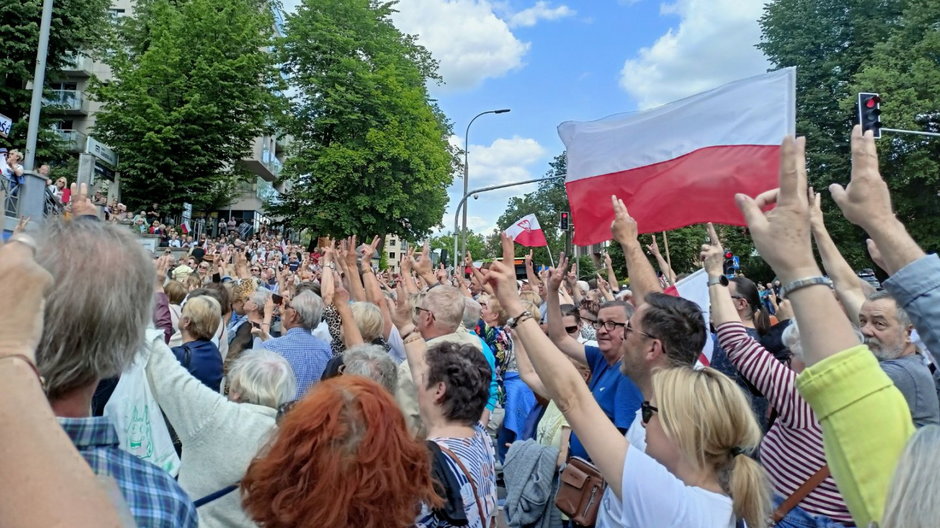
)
(571, 329)
(647, 411)
(629, 328)
(420, 309)
(607, 325)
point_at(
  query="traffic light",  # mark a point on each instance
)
(729, 266)
(869, 112)
(564, 221)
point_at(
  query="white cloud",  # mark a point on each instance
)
(505, 160)
(540, 11)
(466, 36)
(713, 44)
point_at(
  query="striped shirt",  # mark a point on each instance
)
(306, 354)
(478, 456)
(792, 450)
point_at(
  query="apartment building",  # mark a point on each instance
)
(74, 113)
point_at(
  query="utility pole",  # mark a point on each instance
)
(39, 80)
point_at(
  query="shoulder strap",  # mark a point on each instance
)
(466, 473)
(215, 495)
(811, 483)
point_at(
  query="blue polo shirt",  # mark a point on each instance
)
(617, 395)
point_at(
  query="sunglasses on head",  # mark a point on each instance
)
(647, 411)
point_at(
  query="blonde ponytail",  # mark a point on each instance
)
(750, 495)
(710, 419)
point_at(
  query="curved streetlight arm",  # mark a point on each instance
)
(466, 169)
(463, 202)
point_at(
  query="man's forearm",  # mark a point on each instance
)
(843, 277)
(897, 247)
(643, 279)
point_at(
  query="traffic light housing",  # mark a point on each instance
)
(869, 113)
(563, 223)
(729, 266)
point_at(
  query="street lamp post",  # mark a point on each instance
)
(39, 79)
(466, 180)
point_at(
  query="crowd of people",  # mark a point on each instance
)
(311, 389)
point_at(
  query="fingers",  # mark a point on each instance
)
(864, 154)
(713, 235)
(751, 211)
(767, 198)
(508, 247)
(839, 195)
(792, 169)
(375, 242)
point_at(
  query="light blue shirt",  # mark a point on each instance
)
(306, 354)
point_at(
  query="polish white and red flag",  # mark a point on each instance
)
(683, 162)
(527, 232)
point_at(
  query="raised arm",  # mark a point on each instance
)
(527, 371)
(606, 445)
(530, 273)
(556, 328)
(775, 380)
(643, 279)
(349, 253)
(424, 267)
(406, 278)
(611, 276)
(844, 279)
(663, 265)
(351, 334)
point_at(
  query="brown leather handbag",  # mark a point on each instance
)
(580, 491)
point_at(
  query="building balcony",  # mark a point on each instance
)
(70, 102)
(73, 139)
(78, 66)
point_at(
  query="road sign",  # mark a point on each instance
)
(5, 125)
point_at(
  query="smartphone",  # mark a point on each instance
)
(277, 299)
(255, 325)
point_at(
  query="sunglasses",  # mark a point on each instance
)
(647, 411)
(571, 329)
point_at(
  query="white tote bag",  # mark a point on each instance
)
(137, 417)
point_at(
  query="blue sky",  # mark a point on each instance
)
(557, 60)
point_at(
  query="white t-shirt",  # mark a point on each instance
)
(608, 515)
(652, 496)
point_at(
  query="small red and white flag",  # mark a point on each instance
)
(184, 227)
(527, 232)
(683, 162)
(695, 288)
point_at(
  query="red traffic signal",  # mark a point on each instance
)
(869, 113)
(563, 224)
(729, 254)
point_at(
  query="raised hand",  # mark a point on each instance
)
(340, 294)
(865, 201)
(557, 275)
(79, 203)
(349, 255)
(654, 247)
(712, 254)
(782, 236)
(623, 228)
(423, 265)
(528, 259)
(21, 225)
(402, 310)
(369, 251)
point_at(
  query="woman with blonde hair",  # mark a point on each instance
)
(912, 498)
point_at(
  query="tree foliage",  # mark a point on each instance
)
(829, 41)
(371, 149)
(193, 86)
(77, 26)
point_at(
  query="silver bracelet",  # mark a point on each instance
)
(792, 286)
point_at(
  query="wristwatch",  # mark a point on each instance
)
(720, 280)
(514, 321)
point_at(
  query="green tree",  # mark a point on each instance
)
(371, 149)
(476, 245)
(829, 41)
(905, 69)
(193, 86)
(77, 26)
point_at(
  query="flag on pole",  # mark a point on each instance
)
(527, 232)
(695, 288)
(681, 163)
(184, 227)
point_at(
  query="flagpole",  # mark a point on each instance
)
(549, 250)
(668, 258)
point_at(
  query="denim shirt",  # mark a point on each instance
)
(916, 288)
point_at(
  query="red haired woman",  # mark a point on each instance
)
(341, 457)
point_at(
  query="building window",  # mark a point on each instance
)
(392, 242)
(391, 256)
